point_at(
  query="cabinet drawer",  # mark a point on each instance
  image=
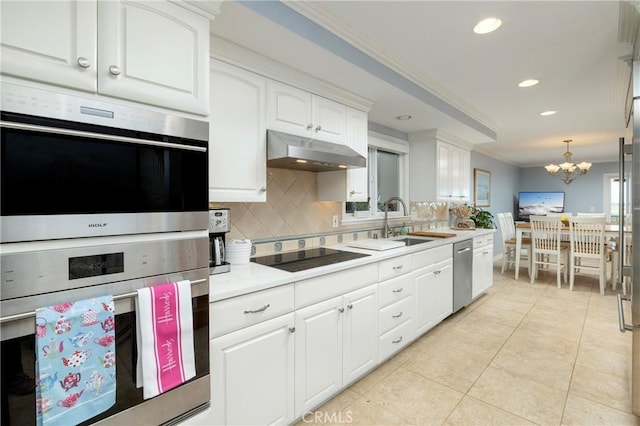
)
(396, 289)
(324, 287)
(233, 314)
(396, 339)
(393, 267)
(393, 315)
(431, 256)
(483, 241)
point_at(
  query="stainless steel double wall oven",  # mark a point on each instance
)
(99, 199)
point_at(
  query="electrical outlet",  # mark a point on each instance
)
(334, 220)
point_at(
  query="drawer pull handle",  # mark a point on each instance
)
(292, 329)
(395, 268)
(264, 308)
(398, 340)
(397, 316)
(398, 290)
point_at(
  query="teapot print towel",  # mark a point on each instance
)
(75, 361)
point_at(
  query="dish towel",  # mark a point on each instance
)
(75, 361)
(165, 337)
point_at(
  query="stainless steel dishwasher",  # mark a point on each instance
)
(462, 273)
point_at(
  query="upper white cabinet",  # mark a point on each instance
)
(446, 157)
(238, 135)
(351, 184)
(149, 52)
(298, 112)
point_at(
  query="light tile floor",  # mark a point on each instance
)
(522, 354)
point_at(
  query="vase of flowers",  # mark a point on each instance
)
(462, 214)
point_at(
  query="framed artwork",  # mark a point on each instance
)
(481, 187)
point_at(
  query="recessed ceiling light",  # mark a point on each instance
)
(342, 166)
(487, 25)
(545, 113)
(403, 117)
(528, 83)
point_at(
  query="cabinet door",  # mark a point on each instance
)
(426, 301)
(444, 168)
(237, 135)
(329, 120)
(444, 291)
(253, 374)
(482, 270)
(288, 109)
(460, 174)
(50, 42)
(357, 136)
(155, 53)
(318, 353)
(360, 333)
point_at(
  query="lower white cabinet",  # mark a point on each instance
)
(252, 374)
(482, 265)
(434, 294)
(336, 342)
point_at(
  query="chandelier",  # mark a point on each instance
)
(568, 171)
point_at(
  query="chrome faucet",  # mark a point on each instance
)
(387, 229)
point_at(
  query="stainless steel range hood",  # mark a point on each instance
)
(297, 152)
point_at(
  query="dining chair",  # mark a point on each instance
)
(547, 247)
(508, 231)
(587, 243)
(614, 252)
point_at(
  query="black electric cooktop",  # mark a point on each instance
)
(301, 260)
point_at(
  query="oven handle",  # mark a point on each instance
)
(69, 132)
(25, 315)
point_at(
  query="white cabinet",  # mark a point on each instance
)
(453, 178)
(351, 184)
(252, 374)
(298, 112)
(336, 342)
(252, 358)
(149, 52)
(435, 152)
(482, 264)
(434, 287)
(237, 135)
(396, 315)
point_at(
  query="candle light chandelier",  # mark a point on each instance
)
(568, 171)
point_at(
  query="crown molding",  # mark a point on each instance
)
(440, 135)
(314, 12)
(234, 54)
(209, 8)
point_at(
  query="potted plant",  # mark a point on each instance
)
(361, 209)
(483, 219)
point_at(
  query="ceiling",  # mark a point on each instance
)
(422, 58)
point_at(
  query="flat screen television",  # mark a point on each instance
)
(539, 203)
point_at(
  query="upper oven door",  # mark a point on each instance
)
(67, 179)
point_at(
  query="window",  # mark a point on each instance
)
(611, 197)
(386, 169)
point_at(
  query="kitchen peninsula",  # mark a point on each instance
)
(307, 335)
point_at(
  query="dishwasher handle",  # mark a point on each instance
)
(462, 250)
(623, 325)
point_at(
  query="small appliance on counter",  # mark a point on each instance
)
(219, 225)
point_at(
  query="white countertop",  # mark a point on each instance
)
(243, 279)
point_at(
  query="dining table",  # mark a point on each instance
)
(522, 228)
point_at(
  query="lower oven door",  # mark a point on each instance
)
(18, 362)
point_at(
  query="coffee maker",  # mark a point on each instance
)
(219, 225)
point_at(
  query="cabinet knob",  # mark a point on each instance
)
(263, 189)
(84, 62)
(292, 329)
(115, 70)
(310, 126)
(354, 192)
(350, 306)
(437, 272)
(318, 128)
(341, 310)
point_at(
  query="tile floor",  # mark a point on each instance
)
(522, 354)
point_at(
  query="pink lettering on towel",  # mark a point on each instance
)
(165, 311)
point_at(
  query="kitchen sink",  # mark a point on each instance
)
(414, 241)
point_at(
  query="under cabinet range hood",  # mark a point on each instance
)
(288, 151)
